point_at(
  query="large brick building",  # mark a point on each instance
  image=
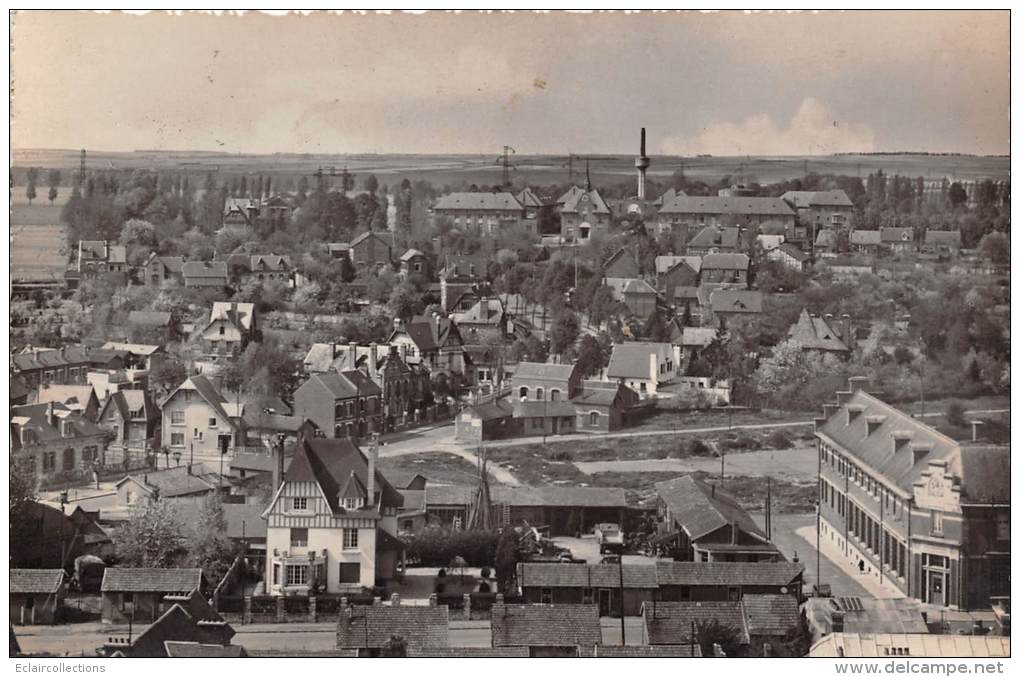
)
(913, 507)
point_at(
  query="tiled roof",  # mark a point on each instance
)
(75, 396)
(826, 238)
(735, 301)
(39, 422)
(725, 262)
(573, 203)
(470, 652)
(35, 581)
(329, 463)
(710, 204)
(182, 480)
(633, 359)
(200, 269)
(672, 622)
(492, 410)
(543, 371)
(270, 262)
(897, 234)
(848, 645)
(793, 252)
(545, 625)
(373, 626)
(244, 520)
(637, 286)
(875, 448)
(124, 579)
(528, 198)
(866, 614)
(770, 615)
(149, 318)
(49, 358)
(599, 393)
(700, 508)
(818, 198)
(384, 237)
(196, 650)
(699, 336)
(664, 264)
(865, 237)
(713, 236)
(657, 651)
(569, 575)
(138, 349)
(814, 333)
(479, 202)
(728, 573)
(240, 314)
(487, 311)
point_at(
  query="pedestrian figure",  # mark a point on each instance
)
(860, 565)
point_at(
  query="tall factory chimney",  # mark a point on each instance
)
(642, 163)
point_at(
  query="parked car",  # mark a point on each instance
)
(610, 538)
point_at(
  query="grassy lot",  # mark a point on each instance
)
(437, 466)
(37, 251)
(674, 420)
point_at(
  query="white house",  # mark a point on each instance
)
(331, 522)
(196, 416)
(644, 366)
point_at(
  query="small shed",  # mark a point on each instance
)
(139, 594)
(36, 596)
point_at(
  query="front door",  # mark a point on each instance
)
(936, 588)
(605, 602)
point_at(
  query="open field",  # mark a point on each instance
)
(540, 169)
(438, 467)
(37, 252)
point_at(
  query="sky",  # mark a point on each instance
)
(722, 84)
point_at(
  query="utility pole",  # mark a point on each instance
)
(504, 161)
(623, 625)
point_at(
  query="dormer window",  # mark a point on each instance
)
(353, 503)
(66, 429)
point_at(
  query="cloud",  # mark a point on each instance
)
(813, 130)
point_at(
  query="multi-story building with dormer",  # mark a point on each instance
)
(332, 522)
(912, 507)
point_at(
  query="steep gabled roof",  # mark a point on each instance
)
(664, 264)
(238, 314)
(575, 199)
(330, 463)
(701, 509)
(633, 359)
(897, 234)
(814, 333)
(546, 625)
(204, 269)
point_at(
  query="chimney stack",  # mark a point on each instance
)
(278, 465)
(642, 163)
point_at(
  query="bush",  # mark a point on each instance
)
(955, 414)
(564, 455)
(660, 452)
(778, 439)
(486, 572)
(698, 448)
